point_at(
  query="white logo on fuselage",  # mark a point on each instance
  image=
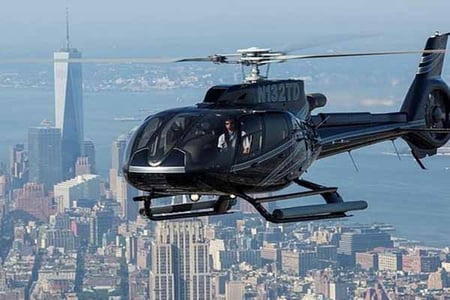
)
(279, 92)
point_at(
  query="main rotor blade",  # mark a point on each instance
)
(125, 60)
(142, 60)
(216, 58)
(324, 40)
(355, 54)
(276, 57)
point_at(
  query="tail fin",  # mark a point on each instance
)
(427, 102)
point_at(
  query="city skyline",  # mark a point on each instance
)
(81, 237)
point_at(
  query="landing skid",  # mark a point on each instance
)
(335, 207)
(186, 210)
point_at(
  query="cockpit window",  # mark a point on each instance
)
(169, 135)
(208, 140)
(148, 131)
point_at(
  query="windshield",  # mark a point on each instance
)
(209, 139)
(169, 134)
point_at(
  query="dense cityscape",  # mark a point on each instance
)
(67, 233)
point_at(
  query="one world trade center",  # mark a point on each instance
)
(69, 105)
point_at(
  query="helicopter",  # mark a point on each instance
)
(260, 136)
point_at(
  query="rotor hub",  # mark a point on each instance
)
(255, 57)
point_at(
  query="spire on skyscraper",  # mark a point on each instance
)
(67, 29)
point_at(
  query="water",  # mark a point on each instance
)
(416, 202)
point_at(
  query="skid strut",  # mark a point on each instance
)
(335, 206)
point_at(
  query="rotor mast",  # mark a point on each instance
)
(254, 58)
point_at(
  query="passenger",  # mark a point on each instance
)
(227, 140)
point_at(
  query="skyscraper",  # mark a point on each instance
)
(89, 151)
(361, 240)
(124, 195)
(100, 221)
(44, 151)
(18, 162)
(180, 263)
(121, 191)
(117, 150)
(69, 104)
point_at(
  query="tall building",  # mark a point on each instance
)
(390, 261)
(367, 260)
(44, 151)
(115, 173)
(121, 191)
(298, 262)
(69, 104)
(338, 290)
(89, 151)
(18, 162)
(100, 222)
(125, 194)
(421, 262)
(361, 240)
(117, 152)
(180, 262)
(131, 248)
(3, 186)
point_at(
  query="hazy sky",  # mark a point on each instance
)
(103, 26)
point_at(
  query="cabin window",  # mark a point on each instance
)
(276, 131)
(251, 137)
(212, 142)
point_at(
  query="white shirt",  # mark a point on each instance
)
(222, 143)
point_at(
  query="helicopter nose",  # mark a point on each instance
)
(173, 162)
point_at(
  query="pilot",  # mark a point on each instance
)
(227, 140)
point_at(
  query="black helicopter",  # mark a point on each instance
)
(260, 136)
